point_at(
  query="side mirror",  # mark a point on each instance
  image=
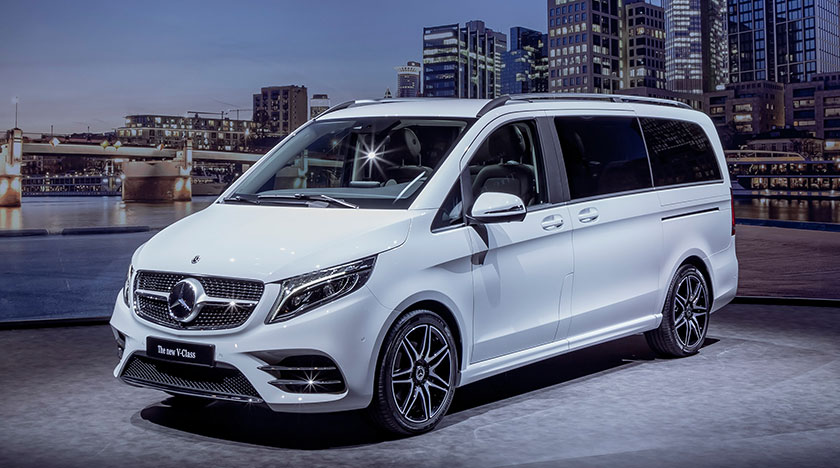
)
(497, 207)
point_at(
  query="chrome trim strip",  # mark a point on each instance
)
(281, 382)
(204, 299)
(287, 368)
(690, 213)
(181, 391)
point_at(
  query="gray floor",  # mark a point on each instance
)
(763, 392)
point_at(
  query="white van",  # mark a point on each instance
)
(390, 251)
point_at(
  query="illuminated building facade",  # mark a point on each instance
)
(751, 107)
(814, 108)
(644, 30)
(462, 62)
(695, 45)
(525, 65)
(213, 134)
(279, 110)
(408, 79)
(585, 46)
(788, 41)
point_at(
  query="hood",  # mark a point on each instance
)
(270, 243)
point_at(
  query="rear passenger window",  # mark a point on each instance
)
(680, 152)
(603, 155)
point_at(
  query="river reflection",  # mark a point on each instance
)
(56, 213)
(820, 211)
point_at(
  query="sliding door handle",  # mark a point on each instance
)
(587, 215)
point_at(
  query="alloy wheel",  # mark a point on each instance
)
(420, 375)
(691, 311)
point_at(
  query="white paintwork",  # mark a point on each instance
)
(491, 205)
(526, 294)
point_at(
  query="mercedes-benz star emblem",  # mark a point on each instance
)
(196, 259)
(183, 300)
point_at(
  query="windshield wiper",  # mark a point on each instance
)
(240, 198)
(307, 197)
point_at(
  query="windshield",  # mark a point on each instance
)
(364, 162)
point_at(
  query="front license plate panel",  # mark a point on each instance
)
(179, 351)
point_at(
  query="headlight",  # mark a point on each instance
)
(305, 292)
(127, 286)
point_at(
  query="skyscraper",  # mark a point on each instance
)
(751, 34)
(644, 30)
(525, 65)
(695, 45)
(408, 79)
(807, 39)
(281, 109)
(585, 46)
(783, 41)
(462, 62)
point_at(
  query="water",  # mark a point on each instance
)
(56, 213)
(788, 209)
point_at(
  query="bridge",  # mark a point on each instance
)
(150, 173)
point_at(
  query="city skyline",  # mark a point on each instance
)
(93, 63)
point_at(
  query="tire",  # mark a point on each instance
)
(415, 381)
(685, 315)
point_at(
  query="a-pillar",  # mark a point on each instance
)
(12, 153)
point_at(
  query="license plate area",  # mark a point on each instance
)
(179, 351)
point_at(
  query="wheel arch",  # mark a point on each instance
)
(435, 302)
(701, 265)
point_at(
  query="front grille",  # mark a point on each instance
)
(211, 317)
(222, 381)
(216, 287)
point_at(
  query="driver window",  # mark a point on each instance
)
(509, 161)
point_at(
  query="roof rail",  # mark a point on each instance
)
(497, 102)
(599, 97)
(353, 103)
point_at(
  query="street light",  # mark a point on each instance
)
(16, 101)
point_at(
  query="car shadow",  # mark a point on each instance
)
(258, 425)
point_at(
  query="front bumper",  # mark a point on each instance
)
(347, 331)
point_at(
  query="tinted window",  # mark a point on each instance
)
(680, 152)
(509, 161)
(603, 155)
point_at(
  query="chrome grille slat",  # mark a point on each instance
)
(244, 293)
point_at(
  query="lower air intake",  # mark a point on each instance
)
(221, 382)
(306, 374)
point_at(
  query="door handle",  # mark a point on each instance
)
(588, 215)
(550, 223)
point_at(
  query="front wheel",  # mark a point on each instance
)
(415, 382)
(685, 316)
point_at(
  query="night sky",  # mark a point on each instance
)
(79, 63)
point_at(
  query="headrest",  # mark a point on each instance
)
(402, 147)
(507, 144)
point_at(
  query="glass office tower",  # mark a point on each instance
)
(788, 41)
(695, 45)
(525, 65)
(463, 62)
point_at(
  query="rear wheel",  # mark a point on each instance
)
(685, 316)
(415, 382)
